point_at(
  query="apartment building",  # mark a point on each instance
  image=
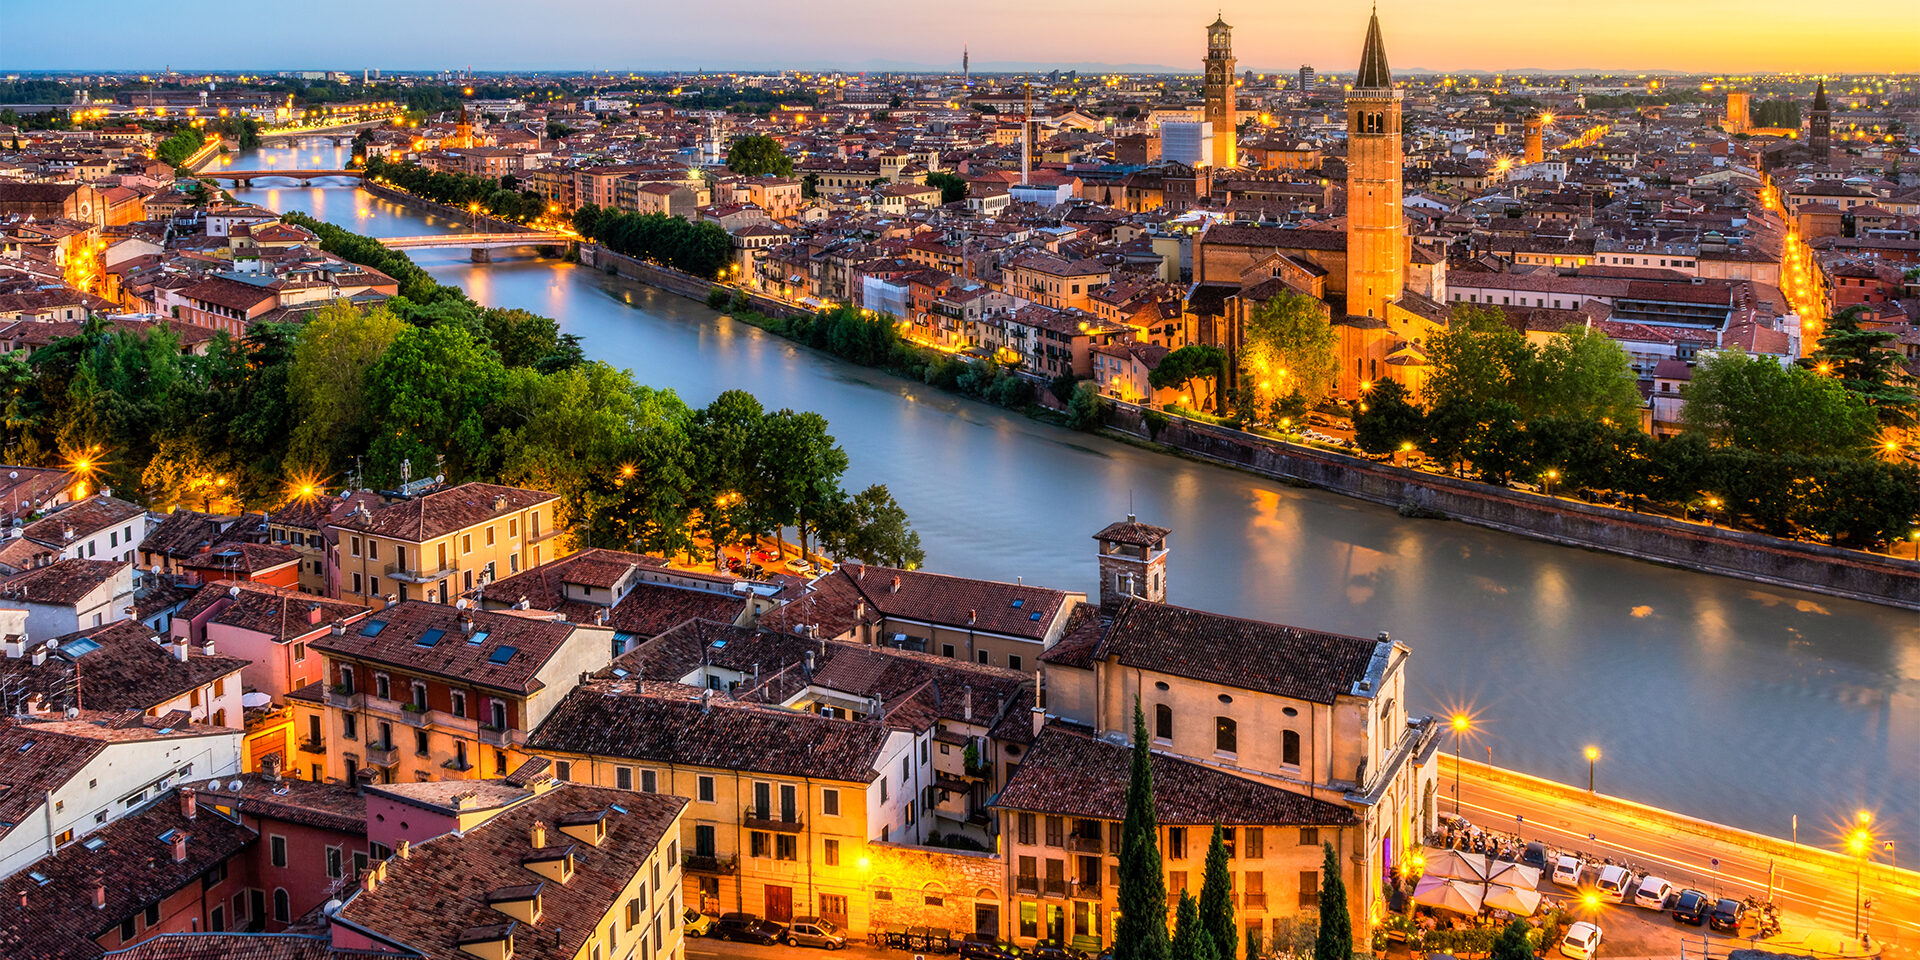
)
(440, 544)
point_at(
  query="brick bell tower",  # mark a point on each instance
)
(1220, 94)
(1376, 233)
(1133, 563)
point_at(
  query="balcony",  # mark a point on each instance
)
(715, 865)
(395, 571)
(1084, 844)
(457, 765)
(414, 716)
(1053, 887)
(1256, 901)
(382, 754)
(1027, 885)
(496, 736)
(1085, 890)
(340, 698)
(317, 745)
(754, 819)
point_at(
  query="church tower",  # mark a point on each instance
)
(1376, 234)
(1133, 563)
(1820, 125)
(1220, 94)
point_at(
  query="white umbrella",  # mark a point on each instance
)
(1519, 876)
(1455, 895)
(1515, 901)
(1456, 865)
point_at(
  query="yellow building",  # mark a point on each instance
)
(438, 545)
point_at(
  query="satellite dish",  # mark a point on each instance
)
(72, 712)
(13, 474)
(213, 786)
(233, 785)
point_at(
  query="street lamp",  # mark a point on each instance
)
(1551, 475)
(1593, 756)
(1461, 723)
(1860, 844)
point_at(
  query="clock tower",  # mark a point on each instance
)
(1219, 86)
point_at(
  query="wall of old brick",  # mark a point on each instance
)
(905, 879)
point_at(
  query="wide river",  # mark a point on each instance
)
(1726, 700)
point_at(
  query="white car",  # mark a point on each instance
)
(1614, 882)
(1566, 870)
(1581, 942)
(1652, 893)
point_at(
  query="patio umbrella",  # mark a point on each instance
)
(1518, 876)
(1456, 865)
(1515, 901)
(1458, 896)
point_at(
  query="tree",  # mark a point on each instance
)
(1478, 359)
(1513, 943)
(428, 395)
(1216, 897)
(1582, 374)
(327, 381)
(802, 467)
(758, 155)
(1083, 411)
(1289, 347)
(1867, 366)
(1335, 940)
(1141, 933)
(1195, 361)
(1191, 939)
(872, 528)
(952, 188)
(1497, 445)
(1388, 420)
(1754, 402)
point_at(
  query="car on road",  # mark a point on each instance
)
(1581, 942)
(798, 566)
(1727, 915)
(698, 924)
(987, 948)
(815, 932)
(1614, 882)
(1692, 906)
(748, 928)
(1535, 855)
(1566, 870)
(1053, 950)
(1652, 893)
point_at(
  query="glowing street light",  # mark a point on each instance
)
(1860, 844)
(1593, 757)
(1461, 722)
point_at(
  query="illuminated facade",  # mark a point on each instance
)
(1220, 93)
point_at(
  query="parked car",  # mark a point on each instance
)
(1692, 907)
(698, 924)
(1566, 870)
(987, 948)
(1614, 882)
(1652, 893)
(815, 932)
(748, 928)
(798, 566)
(1053, 950)
(1535, 855)
(1581, 942)
(1727, 915)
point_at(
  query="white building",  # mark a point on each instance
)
(1187, 142)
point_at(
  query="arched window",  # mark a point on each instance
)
(1162, 722)
(282, 908)
(1290, 748)
(1226, 735)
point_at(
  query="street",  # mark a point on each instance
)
(1811, 891)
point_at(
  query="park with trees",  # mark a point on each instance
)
(494, 197)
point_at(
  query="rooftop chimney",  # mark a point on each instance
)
(99, 894)
(973, 617)
(179, 846)
(313, 613)
(405, 850)
(539, 832)
(189, 805)
(895, 588)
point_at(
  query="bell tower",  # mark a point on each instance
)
(1133, 563)
(1219, 88)
(1820, 125)
(1376, 234)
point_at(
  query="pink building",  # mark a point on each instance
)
(266, 625)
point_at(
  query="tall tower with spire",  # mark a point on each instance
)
(966, 67)
(1219, 87)
(1376, 234)
(1820, 125)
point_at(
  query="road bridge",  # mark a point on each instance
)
(248, 176)
(482, 244)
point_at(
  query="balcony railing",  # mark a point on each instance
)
(1256, 900)
(395, 571)
(338, 696)
(1029, 885)
(382, 755)
(1085, 890)
(458, 765)
(313, 745)
(755, 819)
(1054, 888)
(719, 865)
(1084, 844)
(496, 736)
(413, 716)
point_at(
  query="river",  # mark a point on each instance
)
(1735, 702)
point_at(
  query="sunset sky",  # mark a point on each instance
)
(1732, 36)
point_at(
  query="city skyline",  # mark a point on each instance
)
(1758, 36)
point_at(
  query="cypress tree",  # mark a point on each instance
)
(1216, 897)
(1513, 943)
(1141, 933)
(1336, 924)
(1191, 938)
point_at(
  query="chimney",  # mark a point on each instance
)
(966, 704)
(313, 613)
(99, 894)
(189, 805)
(466, 626)
(270, 767)
(180, 649)
(179, 846)
(539, 838)
(380, 871)
(895, 588)
(973, 617)
(368, 883)
(500, 503)
(860, 610)
(405, 850)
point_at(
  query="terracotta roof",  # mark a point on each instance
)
(231, 946)
(436, 893)
(62, 582)
(329, 806)
(670, 723)
(442, 512)
(1134, 532)
(244, 558)
(120, 667)
(85, 518)
(184, 533)
(278, 612)
(510, 652)
(1235, 652)
(1069, 771)
(987, 605)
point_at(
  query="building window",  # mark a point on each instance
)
(831, 852)
(354, 546)
(756, 844)
(830, 802)
(623, 777)
(1226, 736)
(703, 845)
(282, 907)
(1013, 661)
(1056, 832)
(1024, 825)
(1176, 843)
(1309, 889)
(357, 587)
(649, 782)
(704, 790)
(382, 686)
(563, 770)
(1290, 748)
(1162, 722)
(459, 703)
(1256, 843)
(1309, 836)
(277, 846)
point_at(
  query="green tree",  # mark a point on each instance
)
(1083, 411)
(1191, 939)
(802, 466)
(1141, 933)
(1216, 898)
(952, 188)
(1867, 366)
(1193, 362)
(327, 380)
(1478, 359)
(1388, 420)
(1755, 403)
(1496, 445)
(758, 155)
(1335, 939)
(1288, 346)
(429, 396)
(1582, 374)
(724, 437)
(1513, 943)
(872, 528)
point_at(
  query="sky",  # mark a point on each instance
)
(1704, 36)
